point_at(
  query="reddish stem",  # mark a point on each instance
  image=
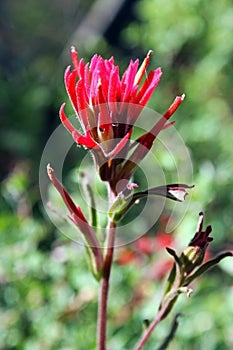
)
(146, 335)
(104, 288)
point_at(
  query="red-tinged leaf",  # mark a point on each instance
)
(71, 206)
(80, 221)
(84, 140)
(171, 110)
(65, 121)
(70, 83)
(80, 215)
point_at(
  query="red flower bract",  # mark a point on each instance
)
(108, 107)
(102, 100)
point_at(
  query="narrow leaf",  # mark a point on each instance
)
(207, 266)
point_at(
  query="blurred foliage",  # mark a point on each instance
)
(193, 44)
(47, 296)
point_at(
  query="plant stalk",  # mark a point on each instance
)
(146, 335)
(104, 284)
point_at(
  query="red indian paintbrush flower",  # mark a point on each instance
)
(107, 108)
(101, 99)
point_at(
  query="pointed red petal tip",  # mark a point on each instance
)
(143, 68)
(71, 206)
(65, 121)
(150, 53)
(175, 104)
(84, 140)
(74, 57)
(182, 97)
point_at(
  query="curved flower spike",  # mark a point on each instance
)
(99, 83)
(107, 106)
(91, 85)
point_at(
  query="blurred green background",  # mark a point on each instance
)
(47, 295)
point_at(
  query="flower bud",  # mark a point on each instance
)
(194, 254)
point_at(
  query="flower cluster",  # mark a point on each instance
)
(107, 108)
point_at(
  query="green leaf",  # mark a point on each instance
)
(171, 279)
(89, 193)
(207, 266)
(119, 208)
